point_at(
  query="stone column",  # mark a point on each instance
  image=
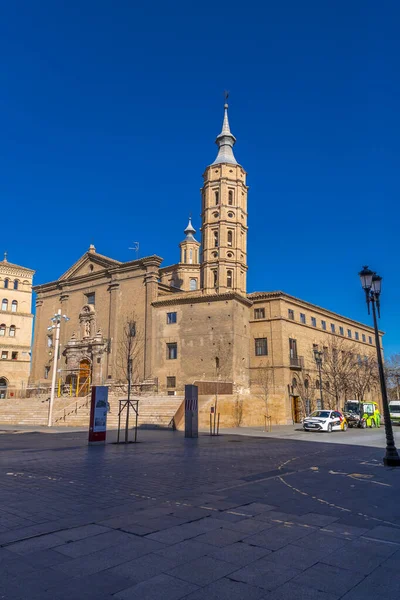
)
(36, 356)
(151, 284)
(112, 332)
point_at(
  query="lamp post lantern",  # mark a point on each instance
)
(372, 285)
(318, 354)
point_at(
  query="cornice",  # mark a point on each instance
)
(254, 296)
(195, 297)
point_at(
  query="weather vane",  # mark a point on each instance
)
(135, 248)
(226, 95)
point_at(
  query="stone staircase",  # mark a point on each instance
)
(154, 411)
(29, 411)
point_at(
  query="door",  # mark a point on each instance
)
(3, 388)
(297, 409)
(336, 421)
(84, 378)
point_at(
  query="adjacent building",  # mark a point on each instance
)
(16, 322)
(194, 321)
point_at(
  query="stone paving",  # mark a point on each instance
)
(224, 517)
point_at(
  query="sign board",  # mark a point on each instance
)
(98, 414)
(191, 411)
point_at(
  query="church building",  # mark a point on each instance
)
(194, 321)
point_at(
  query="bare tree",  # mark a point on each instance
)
(392, 372)
(364, 376)
(129, 353)
(305, 390)
(338, 367)
(263, 381)
(223, 367)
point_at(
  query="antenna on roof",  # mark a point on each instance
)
(135, 248)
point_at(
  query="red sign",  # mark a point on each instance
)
(98, 414)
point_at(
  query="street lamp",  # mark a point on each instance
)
(372, 285)
(318, 354)
(56, 320)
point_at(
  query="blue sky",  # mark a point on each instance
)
(109, 112)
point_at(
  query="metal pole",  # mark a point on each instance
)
(54, 375)
(136, 420)
(392, 458)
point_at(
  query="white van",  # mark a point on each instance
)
(394, 409)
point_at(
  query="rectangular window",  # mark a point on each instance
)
(90, 298)
(14, 355)
(370, 339)
(291, 314)
(313, 321)
(333, 328)
(356, 335)
(261, 346)
(349, 333)
(171, 382)
(323, 325)
(259, 313)
(293, 348)
(363, 337)
(46, 372)
(341, 330)
(172, 351)
(170, 393)
(303, 318)
(4, 355)
(359, 360)
(171, 318)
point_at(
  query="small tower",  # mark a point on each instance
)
(224, 219)
(189, 246)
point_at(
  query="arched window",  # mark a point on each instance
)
(216, 195)
(14, 306)
(184, 256)
(4, 304)
(12, 330)
(215, 276)
(215, 239)
(3, 387)
(230, 238)
(294, 382)
(190, 256)
(193, 285)
(306, 384)
(2, 330)
(317, 384)
(15, 284)
(230, 197)
(6, 282)
(229, 279)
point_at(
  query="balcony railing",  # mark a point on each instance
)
(296, 362)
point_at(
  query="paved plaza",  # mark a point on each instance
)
(281, 516)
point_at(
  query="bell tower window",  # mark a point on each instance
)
(229, 279)
(216, 196)
(215, 239)
(215, 278)
(230, 238)
(190, 256)
(230, 197)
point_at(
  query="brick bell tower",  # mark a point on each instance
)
(224, 219)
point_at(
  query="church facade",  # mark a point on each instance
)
(194, 321)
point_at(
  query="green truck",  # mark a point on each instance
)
(362, 414)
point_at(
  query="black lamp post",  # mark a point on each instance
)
(372, 284)
(318, 354)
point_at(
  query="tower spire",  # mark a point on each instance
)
(225, 141)
(190, 231)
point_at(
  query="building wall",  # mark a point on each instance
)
(205, 328)
(15, 350)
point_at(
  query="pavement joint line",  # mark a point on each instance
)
(334, 505)
(364, 537)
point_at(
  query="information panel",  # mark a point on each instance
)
(98, 414)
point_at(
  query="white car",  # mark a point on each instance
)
(325, 420)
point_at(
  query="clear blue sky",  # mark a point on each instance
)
(109, 112)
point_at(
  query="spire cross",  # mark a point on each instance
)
(226, 95)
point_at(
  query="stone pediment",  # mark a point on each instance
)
(90, 262)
